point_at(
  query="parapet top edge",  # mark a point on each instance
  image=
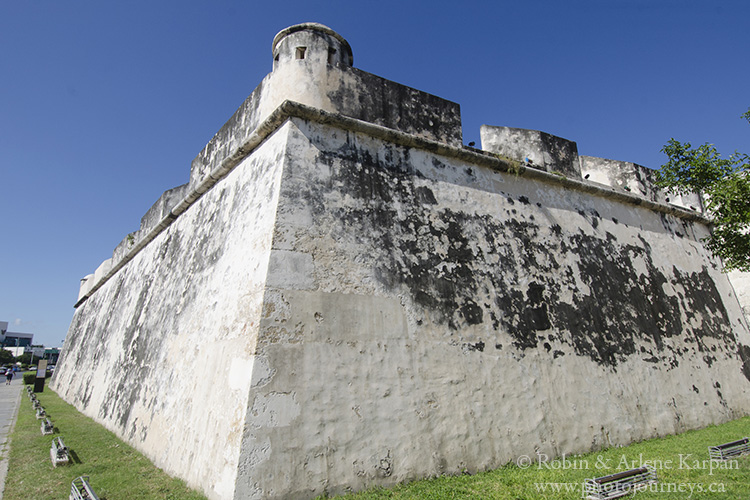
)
(291, 109)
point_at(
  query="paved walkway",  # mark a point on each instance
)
(10, 398)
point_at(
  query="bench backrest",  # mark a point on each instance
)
(59, 446)
(80, 489)
(620, 475)
(733, 444)
(619, 484)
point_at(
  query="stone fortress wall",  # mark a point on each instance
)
(377, 302)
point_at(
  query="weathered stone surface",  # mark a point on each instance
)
(87, 282)
(741, 283)
(163, 354)
(158, 211)
(533, 148)
(349, 306)
(161, 208)
(621, 175)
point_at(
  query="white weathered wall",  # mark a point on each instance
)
(346, 309)
(369, 313)
(622, 175)
(425, 316)
(533, 148)
(163, 353)
(741, 283)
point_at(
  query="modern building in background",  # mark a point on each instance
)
(21, 343)
(14, 339)
(51, 354)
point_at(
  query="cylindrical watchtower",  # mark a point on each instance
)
(311, 42)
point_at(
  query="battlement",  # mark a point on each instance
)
(543, 151)
(312, 65)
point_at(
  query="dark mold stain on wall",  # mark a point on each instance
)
(516, 270)
(374, 99)
(744, 354)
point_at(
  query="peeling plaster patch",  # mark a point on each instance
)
(385, 465)
(259, 452)
(262, 372)
(288, 269)
(274, 410)
(331, 317)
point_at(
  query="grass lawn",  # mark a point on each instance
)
(117, 471)
(674, 458)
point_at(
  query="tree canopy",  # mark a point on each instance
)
(725, 185)
(6, 357)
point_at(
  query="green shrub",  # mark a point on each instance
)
(29, 377)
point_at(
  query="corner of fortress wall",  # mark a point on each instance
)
(376, 302)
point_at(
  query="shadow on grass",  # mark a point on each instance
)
(74, 457)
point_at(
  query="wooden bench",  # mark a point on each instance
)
(40, 413)
(729, 450)
(59, 452)
(619, 484)
(47, 427)
(80, 489)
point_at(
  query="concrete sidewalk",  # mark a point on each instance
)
(10, 398)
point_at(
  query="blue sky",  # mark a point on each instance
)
(103, 105)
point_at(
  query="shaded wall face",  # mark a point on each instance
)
(427, 316)
(741, 283)
(163, 353)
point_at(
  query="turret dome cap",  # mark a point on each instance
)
(312, 27)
